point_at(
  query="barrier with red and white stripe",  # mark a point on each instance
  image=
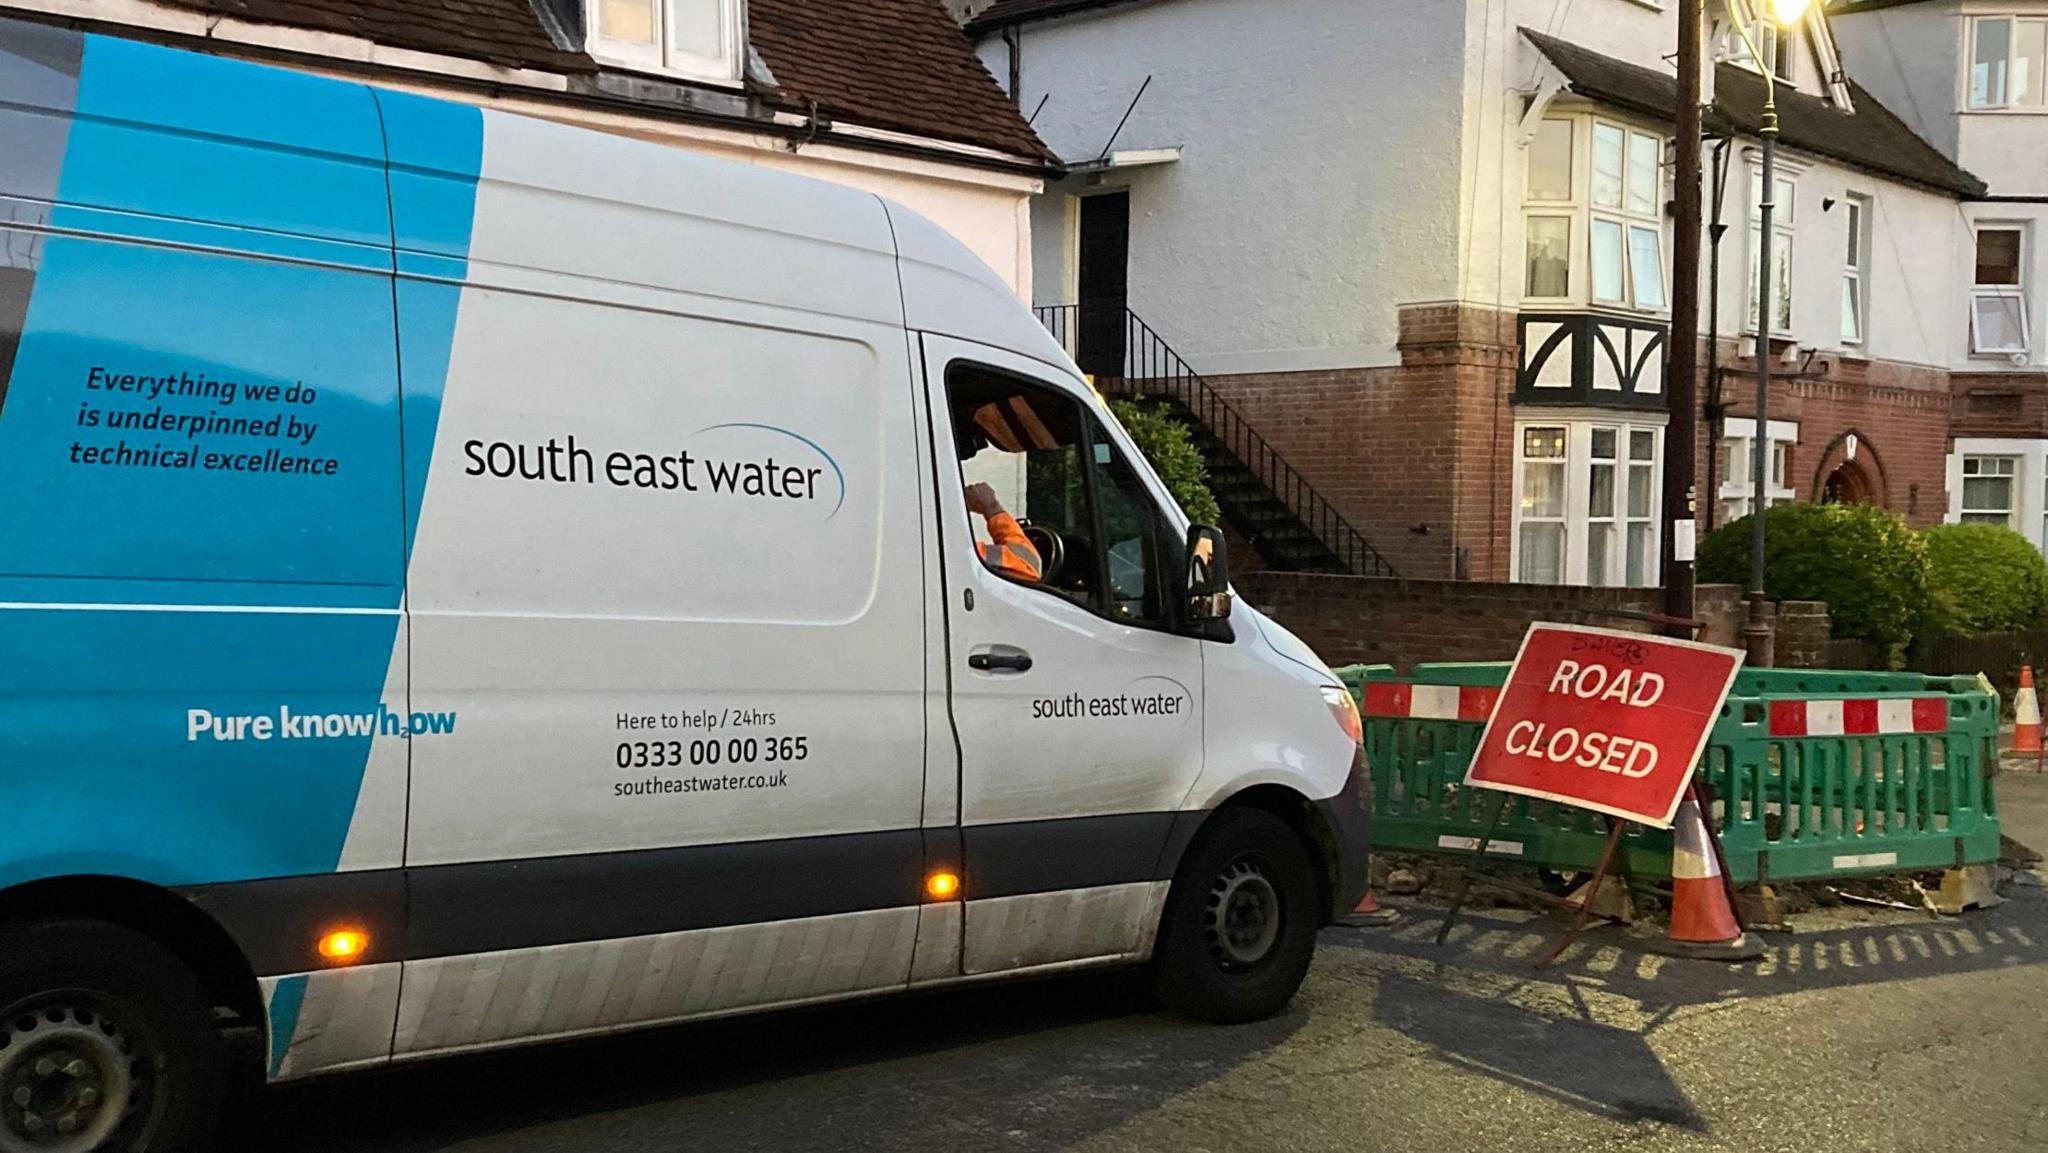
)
(1859, 717)
(1430, 702)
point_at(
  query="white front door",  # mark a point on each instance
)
(1077, 705)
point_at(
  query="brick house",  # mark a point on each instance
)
(1422, 252)
(884, 95)
(1969, 78)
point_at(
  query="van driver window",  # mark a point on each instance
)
(1055, 506)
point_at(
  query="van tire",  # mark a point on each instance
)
(1240, 923)
(106, 1032)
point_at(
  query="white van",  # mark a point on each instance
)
(466, 581)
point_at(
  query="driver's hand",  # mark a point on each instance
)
(981, 499)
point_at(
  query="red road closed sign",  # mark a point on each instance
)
(1604, 720)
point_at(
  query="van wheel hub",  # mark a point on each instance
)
(66, 1079)
(1244, 916)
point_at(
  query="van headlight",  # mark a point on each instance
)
(1345, 710)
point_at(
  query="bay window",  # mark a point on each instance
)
(2007, 54)
(1586, 502)
(698, 39)
(1594, 228)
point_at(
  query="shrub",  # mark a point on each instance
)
(1986, 577)
(1168, 445)
(1863, 561)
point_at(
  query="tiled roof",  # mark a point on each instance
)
(503, 32)
(1870, 138)
(901, 65)
(898, 64)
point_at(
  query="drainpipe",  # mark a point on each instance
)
(1715, 408)
(1013, 39)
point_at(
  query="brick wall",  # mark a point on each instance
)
(1899, 414)
(1802, 636)
(1416, 456)
(1403, 622)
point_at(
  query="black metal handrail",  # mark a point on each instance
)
(1151, 368)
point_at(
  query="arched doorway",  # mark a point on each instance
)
(1848, 484)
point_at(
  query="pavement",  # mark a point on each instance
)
(1860, 1030)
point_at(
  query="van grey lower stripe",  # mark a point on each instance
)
(495, 906)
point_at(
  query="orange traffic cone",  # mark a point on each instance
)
(1703, 923)
(2026, 715)
(1369, 912)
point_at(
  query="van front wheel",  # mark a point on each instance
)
(1240, 924)
(105, 1044)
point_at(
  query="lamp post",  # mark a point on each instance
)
(1785, 14)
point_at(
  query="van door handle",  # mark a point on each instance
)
(995, 658)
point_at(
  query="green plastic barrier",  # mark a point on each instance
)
(1788, 805)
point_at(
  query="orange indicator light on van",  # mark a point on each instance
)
(344, 946)
(942, 885)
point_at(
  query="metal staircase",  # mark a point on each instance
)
(1263, 498)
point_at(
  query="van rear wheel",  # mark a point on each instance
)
(1240, 923)
(105, 1044)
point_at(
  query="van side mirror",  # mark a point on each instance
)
(1208, 583)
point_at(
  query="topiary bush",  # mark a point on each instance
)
(1167, 444)
(1864, 562)
(1986, 578)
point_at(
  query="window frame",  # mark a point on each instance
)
(1784, 224)
(1733, 497)
(2004, 104)
(661, 56)
(2016, 291)
(1588, 221)
(1856, 266)
(1095, 426)
(2013, 479)
(1576, 522)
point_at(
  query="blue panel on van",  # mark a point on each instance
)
(200, 469)
(437, 153)
(98, 740)
(199, 138)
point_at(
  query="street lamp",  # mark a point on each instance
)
(1785, 14)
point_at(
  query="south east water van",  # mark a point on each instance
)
(466, 580)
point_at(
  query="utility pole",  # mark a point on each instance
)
(1681, 382)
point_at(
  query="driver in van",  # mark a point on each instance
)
(1010, 426)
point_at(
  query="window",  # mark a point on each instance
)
(1780, 50)
(1998, 298)
(1098, 536)
(1541, 511)
(1595, 232)
(1988, 485)
(2007, 54)
(1854, 307)
(1738, 437)
(700, 39)
(1628, 228)
(1783, 205)
(1586, 503)
(1642, 508)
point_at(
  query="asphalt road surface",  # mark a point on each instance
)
(1896, 1033)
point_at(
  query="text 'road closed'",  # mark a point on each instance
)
(1604, 720)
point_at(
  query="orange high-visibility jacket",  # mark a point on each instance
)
(1012, 553)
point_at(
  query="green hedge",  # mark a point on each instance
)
(1166, 443)
(1868, 566)
(1986, 578)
